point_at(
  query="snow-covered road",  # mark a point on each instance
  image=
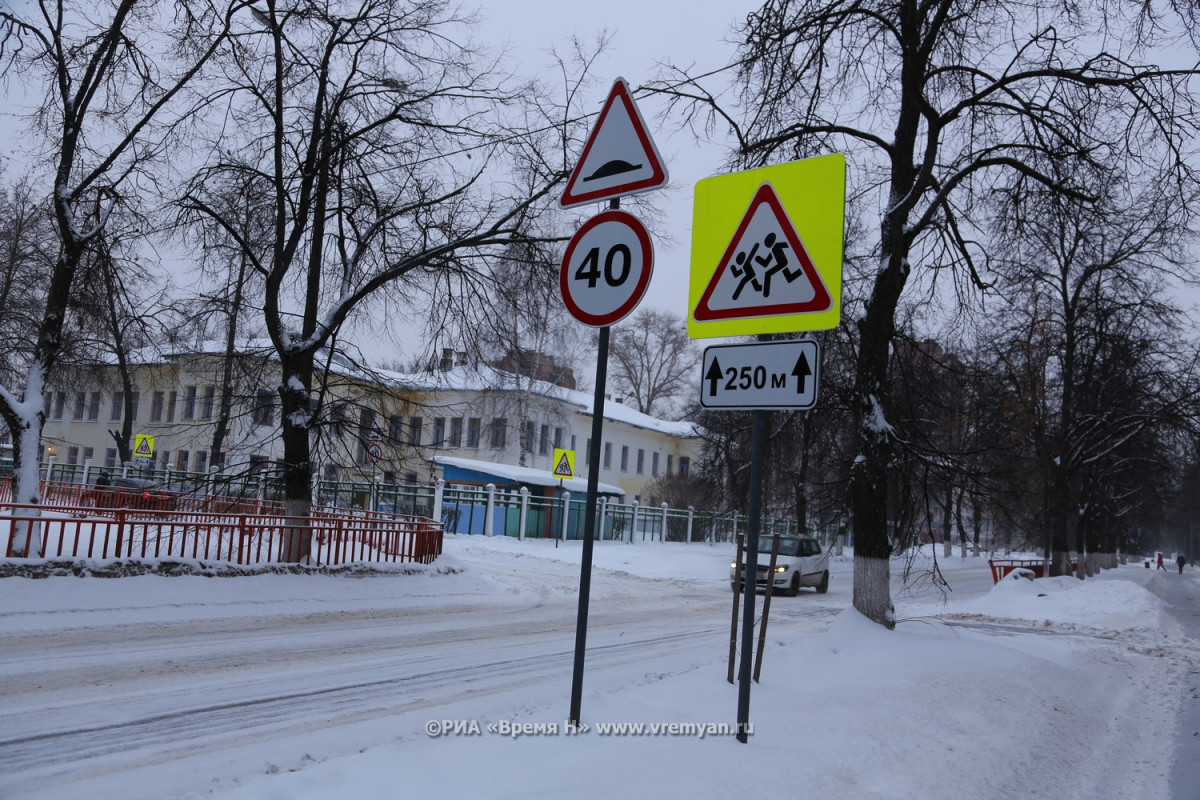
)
(155, 687)
(107, 691)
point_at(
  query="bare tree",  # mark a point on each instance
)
(935, 103)
(115, 303)
(1089, 294)
(113, 76)
(378, 134)
(655, 363)
(27, 255)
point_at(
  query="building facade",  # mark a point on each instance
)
(372, 425)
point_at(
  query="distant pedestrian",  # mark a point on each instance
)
(1181, 561)
(1160, 563)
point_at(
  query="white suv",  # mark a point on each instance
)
(801, 562)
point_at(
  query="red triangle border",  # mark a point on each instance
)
(821, 301)
(658, 175)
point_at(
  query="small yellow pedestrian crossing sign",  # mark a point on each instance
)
(143, 446)
(564, 463)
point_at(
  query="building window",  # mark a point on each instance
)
(456, 432)
(72, 455)
(670, 463)
(110, 457)
(641, 463)
(366, 422)
(259, 464)
(165, 455)
(60, 400)
(88, 454)
(396, 428)
(118, 407)
(207, 400)
(558, 438)
(608, 455)
(189, 402)
(172, 397)
(181, 460)
(473, 425)
(337, 419)
(624, 458)
(439, 431)
(156, 406)
(94, 407)
(134, 397)
(264, 411)
(414, 431)
(332, 473)
(80, 404)
(684, 464)
(201, 461)
(654, 465)
(588, 454)
(499, 433)
(544, 441)
(528, 432)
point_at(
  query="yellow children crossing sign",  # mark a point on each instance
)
(564, 463)
(767, 249)
(143, 446)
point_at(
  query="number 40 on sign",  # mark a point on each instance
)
(606, 268)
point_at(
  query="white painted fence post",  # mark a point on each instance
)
(633, 529)
(662, 532)
(489, 524)
(524, 513)
(603, 506)
(566, 498)
(438, 489)
(691, 521)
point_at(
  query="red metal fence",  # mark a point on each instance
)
(77, 521)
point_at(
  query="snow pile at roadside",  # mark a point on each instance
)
(1107, 602)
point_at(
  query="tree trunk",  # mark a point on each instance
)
(977, 521)
(869, 473)
(296, 424)
(947, 530)
(220, 430)
(26, 540)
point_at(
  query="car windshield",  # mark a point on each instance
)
(787, 547)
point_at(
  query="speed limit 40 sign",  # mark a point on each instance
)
(606, 268)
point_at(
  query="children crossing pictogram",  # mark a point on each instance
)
(766, 269)
(143, 446)
(564, 463)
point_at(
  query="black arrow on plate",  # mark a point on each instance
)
(801, 371)
(713, 376)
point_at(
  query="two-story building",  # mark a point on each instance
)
(464, 423)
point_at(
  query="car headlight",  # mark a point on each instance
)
(781, 569)
(733, 565)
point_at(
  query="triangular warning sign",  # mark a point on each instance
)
(144, 447)
(563, 469)
(765, 271)
(619, 158)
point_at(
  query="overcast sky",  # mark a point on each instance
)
(644, 34)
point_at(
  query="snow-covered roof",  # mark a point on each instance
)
(534, 477)
(463, 379)
(485, 378)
